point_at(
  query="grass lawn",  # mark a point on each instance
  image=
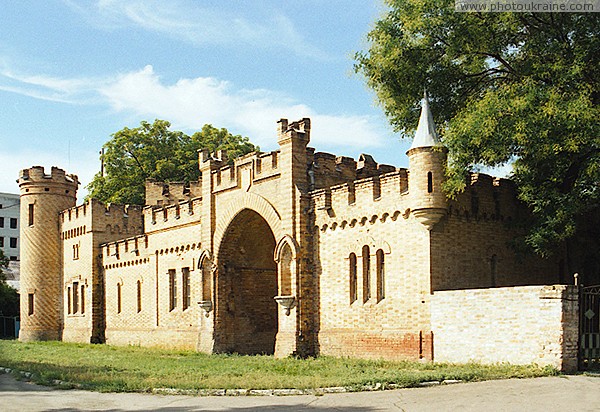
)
(133, 369)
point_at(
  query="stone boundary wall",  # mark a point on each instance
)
(519, 325)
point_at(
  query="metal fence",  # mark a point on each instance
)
(9, 327)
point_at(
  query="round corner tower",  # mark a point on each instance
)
(427, 163)
(43, 197)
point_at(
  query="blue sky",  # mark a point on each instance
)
(74, 72)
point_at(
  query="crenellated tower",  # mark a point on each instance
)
(43, 197)
(427, 161)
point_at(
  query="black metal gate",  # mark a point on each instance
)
(9, 327)
(589, 328)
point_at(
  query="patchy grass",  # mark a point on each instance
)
(133, 369)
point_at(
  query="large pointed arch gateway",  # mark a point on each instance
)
(246, 314)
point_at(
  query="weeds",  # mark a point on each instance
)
(134, 369)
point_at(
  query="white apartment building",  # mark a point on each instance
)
(9, 234)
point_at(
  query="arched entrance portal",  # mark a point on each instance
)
(246, 313)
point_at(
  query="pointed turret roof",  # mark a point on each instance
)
(425, 136)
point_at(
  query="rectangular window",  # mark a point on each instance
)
(31, 214)
(75, 297)
(1, 241)
(30, 304)
(75, 252)
(185, 284)
(13, 242)
(172, 289)
(13, 222)
(1, 222)
(82, 299)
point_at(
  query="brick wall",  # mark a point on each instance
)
(520, 325)
(476, 252)
(152, 321)
(371, 212)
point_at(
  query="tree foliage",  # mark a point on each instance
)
(520, 88)
(152, 151)
(9, 298)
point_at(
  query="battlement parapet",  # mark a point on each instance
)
(166, 193)
(486, 197)
(76, 212)
(128, 249)
(166, 217)
(251, 168)
(372, 193)
(35, 180)
(298, 130)
(37, 174)
(329, 170)
(95, 216)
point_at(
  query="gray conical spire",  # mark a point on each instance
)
(425, 136)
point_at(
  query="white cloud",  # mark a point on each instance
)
(191, 103)
(191, 22)
(73, 90)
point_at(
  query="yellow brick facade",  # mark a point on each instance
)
(287, 252)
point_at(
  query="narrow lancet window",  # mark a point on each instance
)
(366, 261)
(172, 289)
(82, 299)
(206, 279)
(353, 278)
(429, 182)
(185, 286)
(119, 297)
(285, 271)
(493, 269)
(380, 275)
(139, 296)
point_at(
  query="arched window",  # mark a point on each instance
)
(366, 266)
(285, 271)
(353, 278)
(75, 297)
(206, 267)
(172, 289)
(139, 296)
(186, 288)
(380, 275)
(119, 297)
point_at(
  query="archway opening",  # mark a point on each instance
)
(246, 313)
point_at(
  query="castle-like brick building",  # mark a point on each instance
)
(287, 252)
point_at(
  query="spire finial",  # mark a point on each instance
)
(425, 136)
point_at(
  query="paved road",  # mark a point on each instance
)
(570, 393)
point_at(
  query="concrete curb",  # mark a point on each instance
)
(255, 392)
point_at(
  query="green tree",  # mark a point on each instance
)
(520, 88)
(152, 151)
(9, 298)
